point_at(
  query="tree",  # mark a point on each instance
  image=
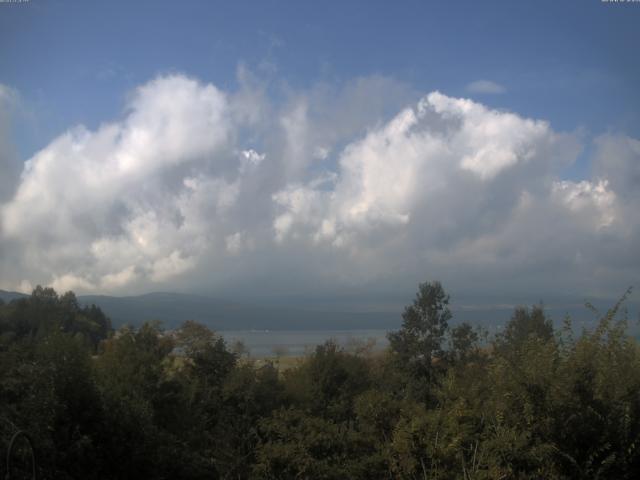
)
(328, 381)
(417, 346)
(44, 313)
(296, 445)
(524, 325)
(464, 342)
(208, 360)
(135, 391)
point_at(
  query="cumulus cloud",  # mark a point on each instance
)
(197, 187)
(617, 158)
(486, 87)
(408, 171)
(95, 209)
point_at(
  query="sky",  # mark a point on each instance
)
(304, 149)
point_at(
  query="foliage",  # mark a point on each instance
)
(418, 346)
(439, 403)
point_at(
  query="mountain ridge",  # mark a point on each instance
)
(172, 309)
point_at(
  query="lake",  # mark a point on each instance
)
(266, 343)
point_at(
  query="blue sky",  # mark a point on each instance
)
(250, 138)
(573, 63)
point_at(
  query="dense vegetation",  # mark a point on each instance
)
(442, 402)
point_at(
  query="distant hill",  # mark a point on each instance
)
(172, 309)
(8, 296)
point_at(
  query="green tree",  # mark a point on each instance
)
(524, 324)
(141, 432)
(418, 346)
(44, 312)
(296, 445)
(328, 381)
(463, 343)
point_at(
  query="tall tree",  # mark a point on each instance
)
(525, 324)
(418, 345)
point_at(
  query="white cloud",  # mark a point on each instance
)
(238, 242)
(595, 199)
(452, 186)
(617, 158)
(70, 281)
(388, 178)
(485, 86)
(195, 186)
(250, 159)
(125, 197)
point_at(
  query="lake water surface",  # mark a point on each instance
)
(266, 343)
